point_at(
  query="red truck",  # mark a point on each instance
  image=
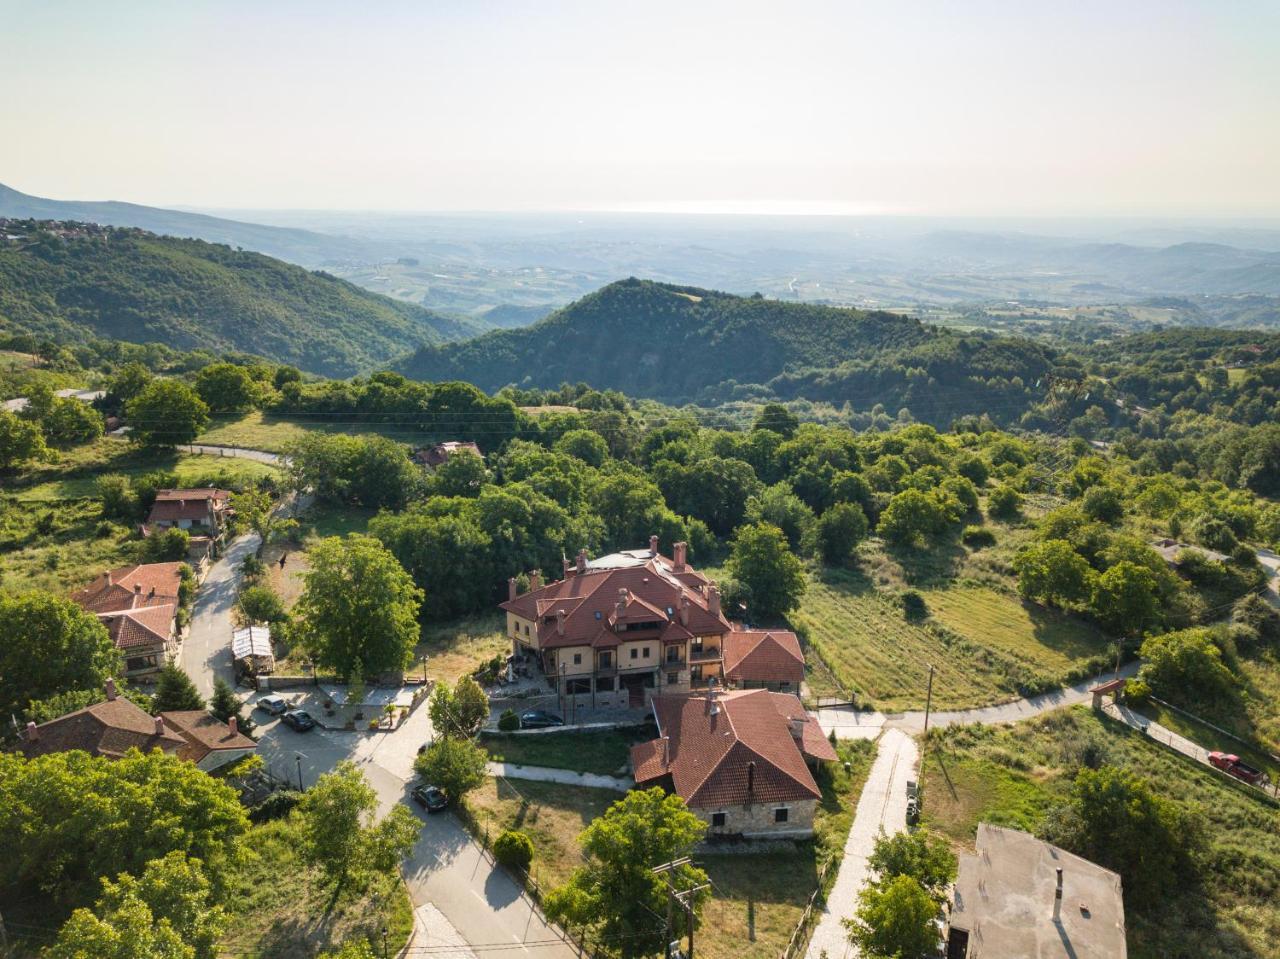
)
(1233, 765)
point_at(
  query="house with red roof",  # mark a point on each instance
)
(433, 456)
(205, 514)
(743, 760)
(763, 659)
(621, 628)
(113, 727)
(139, 606)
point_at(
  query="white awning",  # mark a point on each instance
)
(251, 641)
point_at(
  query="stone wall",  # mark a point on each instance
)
(756, 820)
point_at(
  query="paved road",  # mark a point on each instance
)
(882, 808)
(206, 651)
(545, 774)
(235, 452)
(855, 724)
(1271, 563)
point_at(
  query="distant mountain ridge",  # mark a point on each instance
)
(136, 286)
(667, 342)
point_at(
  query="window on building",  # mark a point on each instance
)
(646, 652)
(606, 660)
(599, 615)
(135, 663)
(577, 659)
(604, 684)
(580, 685)
(673, 678)
(526, 629)
(635, 653)
(718, 820)
(780, 814)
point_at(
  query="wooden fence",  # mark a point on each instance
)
(808, 919)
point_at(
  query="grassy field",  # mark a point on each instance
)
(764, 892)
(457, 648)
(605, 751)
(282, 908)
(60, 546)
(984, 644)
(1205, 735)
(260, 431)
(1014, 776)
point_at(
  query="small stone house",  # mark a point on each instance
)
(763, 659)
(139, 606)
(743, 761)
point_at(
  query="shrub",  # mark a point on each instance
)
(1004, 502)
(260, 604)
(1137, 692)
(913, 605)
(978, 537)
(508, 721)
(276, 806)
(167, 546)
(514, 850)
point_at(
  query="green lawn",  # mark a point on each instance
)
(1208, 737)
(459, 647)
(60, 546)
(282, 909)
(761, 891)
(605, 751)
(260, 431)
(1015, 775)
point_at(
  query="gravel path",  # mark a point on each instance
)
(545, 774)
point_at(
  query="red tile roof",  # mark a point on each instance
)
(737, 747)
(202, 733)
(104, 729)
(600, 598)
(175, 504)
(148, 626)
(131, 587)
(436, 455)
(764, 656)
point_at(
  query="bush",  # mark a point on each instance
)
(1137, 692)
(276, 806)
(978, 537)
(260, 604)
(508, 721)
(514, 850)
(913, 605)
(167, 546)
(1004, 502)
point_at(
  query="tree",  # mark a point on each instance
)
(450, 555)
(20, 441)
(167, 545)
(895, 919)
(840, 529)
(1004, 502)
(778, 505)
(118, 499)
(771, 574)
(462, 474)
(616, 893)
(1104, 504)
(461, 711)
(358, 603)
(70, 421)
(912, 516)
(1126, 599)
(50, 646)
(175, 691)
(1115, 819)
(1052, 572)
(70, 818)
(226, 387)
(131, 380)
(586, 445)
(340, 832)
(166, 413)
(175, 898)
(924, 857)
(778, 419)
(224, 705)
(514, 849)
(255, 509)
(1187, 667)
(455, 765)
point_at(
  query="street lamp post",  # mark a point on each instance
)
(298, 758)
(384, 942)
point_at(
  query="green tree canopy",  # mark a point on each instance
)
(175, 691)
(358, 604)
(1052, 572)
(458, 712)
(50, 646)
(839, 530)
(1187, 667)
(454, 764)
(20, 441)
(616, 894)
(778, 419)
(586, 445)
(256, 510)
(923, 856)
(166, 413)
(781, 507)
(1126, 599)
(226, 387)
(913, 516)
(767, 569)
(895, 919)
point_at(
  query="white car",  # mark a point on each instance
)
(275, 705)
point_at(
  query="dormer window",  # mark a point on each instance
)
(599, 614)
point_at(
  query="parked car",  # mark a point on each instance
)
(275, 705)
(1235, 766)
(430, 798)
(298, 719)
(539, 719)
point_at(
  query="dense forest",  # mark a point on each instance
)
(135, 286)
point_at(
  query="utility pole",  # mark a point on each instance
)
(1119, 650)
(683, 898)
(928, 700)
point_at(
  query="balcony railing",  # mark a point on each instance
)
(705, 654)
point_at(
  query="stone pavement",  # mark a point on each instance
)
(545, 774)
(882, 808)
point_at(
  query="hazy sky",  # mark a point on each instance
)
(956, 106)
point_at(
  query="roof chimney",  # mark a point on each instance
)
(33, 732)
(713, 599)
(512, 589)
(137, 589)
(560, 617)
(110, 686)
(567, 567)
(620, 607)
(535, 579)
(684, 609)
(713, 707)
(233, 725)
(751, 776)
(582, 561)
(797, 727)
(653, 545)
(679, 555)
(159, 726)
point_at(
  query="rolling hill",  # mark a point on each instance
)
(668, 342)
(140, 287)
